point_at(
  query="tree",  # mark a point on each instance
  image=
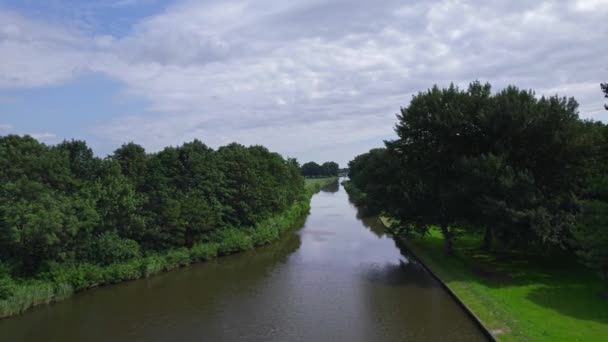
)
(62, 204)
(373, 173)
(592, 236)
(604, 87)
(592, 223)
(81, 161)
(435, 131)
(330, 169)
(44, 209)
(311, 169)
(327, 169)
(509, 163)
(133, 162)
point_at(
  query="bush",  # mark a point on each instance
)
(118, 272)
(27, 295)
(265, 232)
(177, 258)
(203, 251)
(109, 248)
(234, 240)
(7, 286)
(151, 265)
(77, 277)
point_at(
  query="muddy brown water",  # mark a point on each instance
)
(338, 278)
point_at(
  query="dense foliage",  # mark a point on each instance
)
(327, 169)
(61, 204)
(526, 171)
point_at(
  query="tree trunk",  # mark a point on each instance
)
(447, 235)
(487, 239)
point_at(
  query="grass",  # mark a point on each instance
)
(531, 298)
(63, 280)
(321, 182)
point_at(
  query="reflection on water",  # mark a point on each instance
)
(331, 187)
(374, 225)
(339, 278)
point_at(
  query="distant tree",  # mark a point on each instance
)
(327, 169)
(330, 169)
(604, 87)
(311, 169)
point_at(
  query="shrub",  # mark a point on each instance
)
(109, 248)
(6, 282)
(151, 265)
(177, 258)
(7, 286)
(234, 240)
(203, 251)
(265, 232)
(118, 272)
(78, 277)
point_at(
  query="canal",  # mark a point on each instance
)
(338, 278)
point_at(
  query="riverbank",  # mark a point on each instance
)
(533, 299)
(62, 281)
(517, 298)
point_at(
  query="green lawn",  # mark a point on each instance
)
(321, 181)
(533, 298)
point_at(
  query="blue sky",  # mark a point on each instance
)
(312, 79)
(114, 17)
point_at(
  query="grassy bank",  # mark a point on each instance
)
(318, 183)
(63, 280)
(532, 298)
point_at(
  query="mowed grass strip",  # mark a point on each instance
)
(311, 182)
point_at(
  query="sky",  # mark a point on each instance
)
(312, 79)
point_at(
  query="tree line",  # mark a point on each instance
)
(327, 169)
(526, 172)
(62, 204)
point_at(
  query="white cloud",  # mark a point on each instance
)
(307, 77)
(34, 54)
(5, 129)
(591, 5)
(43, 136)
(47, 137)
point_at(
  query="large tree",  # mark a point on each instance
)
(510, 164)
(435, 132)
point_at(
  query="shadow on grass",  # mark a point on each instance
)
(556, 282)
(566, 299)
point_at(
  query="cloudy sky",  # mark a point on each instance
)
(313, 79)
